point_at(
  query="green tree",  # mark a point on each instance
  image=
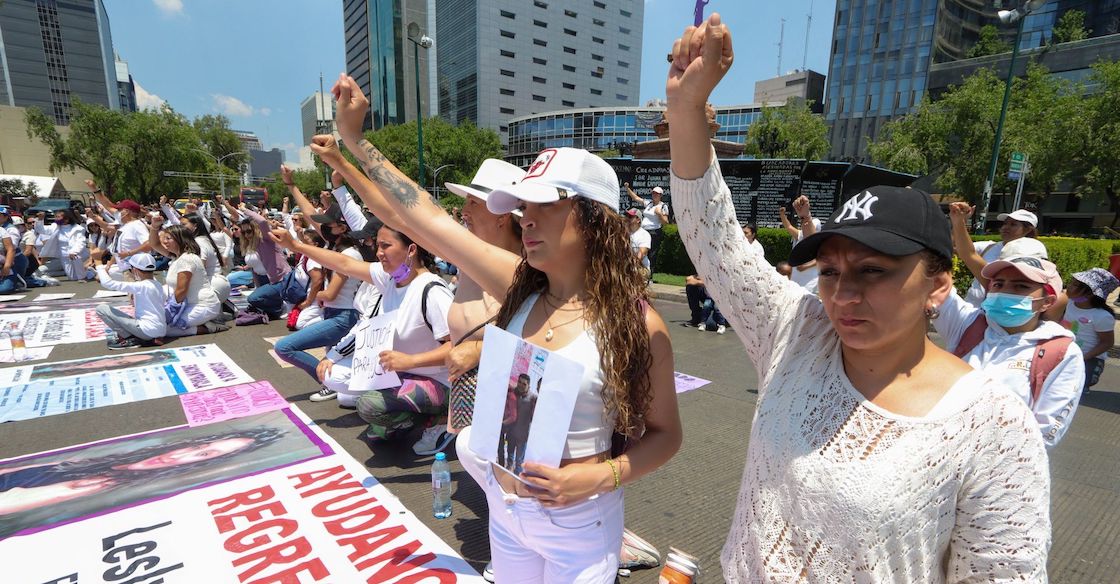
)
(14, 187)
(464, 147)
(223, 144)
(159, 141)
(1070, 28)
(95, 143)
(310, 182)
(990, 43)
(1097, 154)
(788, 131)
(1044, 120)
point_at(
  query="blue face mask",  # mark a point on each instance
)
(1008, 310)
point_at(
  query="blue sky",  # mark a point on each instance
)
(256, 60)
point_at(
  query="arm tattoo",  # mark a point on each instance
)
(403, 189)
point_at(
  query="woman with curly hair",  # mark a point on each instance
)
(577, 290)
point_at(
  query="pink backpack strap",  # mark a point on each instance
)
(1047, 355)
(973, 334)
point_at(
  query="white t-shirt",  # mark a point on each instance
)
(650, 220)
(639, 239)
(28, 239)
(148, 298)
(345, 298)
(225, 245)
(1086, 323)
(989, 250)
(199, 291)
(411, 333)
(807, 278)
(11, 233)
(253, 260)
(131, 235)
(209, 256)
(757, 248)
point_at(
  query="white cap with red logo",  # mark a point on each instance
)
(559, 173)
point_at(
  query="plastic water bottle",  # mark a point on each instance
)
(441, 487)
(111, 336)
(15, 337)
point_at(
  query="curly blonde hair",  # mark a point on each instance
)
(615, 306)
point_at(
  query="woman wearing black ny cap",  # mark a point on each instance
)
(875, 456)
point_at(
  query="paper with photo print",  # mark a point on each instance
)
(516, 379)
(371, 337)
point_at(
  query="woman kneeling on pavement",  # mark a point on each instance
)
(192, 303)
(578, 291)
(418, 301)
(875, 456)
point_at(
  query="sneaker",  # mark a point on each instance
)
(488, 572)
(702, 327)
(637, 552)
(323, 394)
(125, 343)
(721, 329)
(214, 326)
(433, 440)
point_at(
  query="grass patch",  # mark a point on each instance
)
(670, 279)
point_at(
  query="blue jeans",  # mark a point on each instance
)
(267, 299)
(10, 283)
(335, 324)
(711, 316)
(246, 278)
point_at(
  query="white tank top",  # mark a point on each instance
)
(591, 428)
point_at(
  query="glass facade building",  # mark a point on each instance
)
(883, 52)
(599, 129)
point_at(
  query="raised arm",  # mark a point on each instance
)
(630, 193)
(790, 229)
(351, 211)
(490, 266)
(804, 216)
(301, 200)
(332, 260)
(169, 211)
(153, 238)
(962, 241)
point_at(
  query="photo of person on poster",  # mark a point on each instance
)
(520, 405)
(100, 364)
(124, 472)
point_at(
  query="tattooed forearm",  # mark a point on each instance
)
(400, 187)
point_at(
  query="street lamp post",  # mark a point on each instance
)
(418, 40)
(435, 176)
(218, 161)
(1018, 15)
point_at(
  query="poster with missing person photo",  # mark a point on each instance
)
(523, 408)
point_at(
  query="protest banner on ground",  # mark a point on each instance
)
(55, 327)
(52, 296)
(515, 379)
(685, 382)
(58, 305)
(275, 500)
(47, 389)
(227, 403)
(12, 297)
(7, 355)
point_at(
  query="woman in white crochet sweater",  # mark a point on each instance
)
(875, 456)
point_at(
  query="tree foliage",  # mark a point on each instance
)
(990, 43)
(1096, 155)
(127, 153)
(1070, 27)
(788, 131)
(310, 182)
(953, 136)
(464, 147)
(14, 187)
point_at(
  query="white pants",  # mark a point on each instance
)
(339, 380)
(309, 316)
(529, 543)
(197, 315)
(76, 268)
(220, 284)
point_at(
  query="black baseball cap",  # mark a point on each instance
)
(333, 214)
(895, 221)
(369, 231)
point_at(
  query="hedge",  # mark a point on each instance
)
(1070, 254)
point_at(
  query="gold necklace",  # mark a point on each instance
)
(548, 333)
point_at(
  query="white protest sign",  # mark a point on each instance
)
(371, 337)
(515, 379)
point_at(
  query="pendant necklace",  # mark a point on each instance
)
(548, 333)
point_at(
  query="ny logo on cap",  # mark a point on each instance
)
(540, 165)
(858, 205)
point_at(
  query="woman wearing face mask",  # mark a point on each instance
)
(419, 300)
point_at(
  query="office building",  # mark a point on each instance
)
(886, 55)
(317, 115)
(126, 87)
(506, 59)
(249, 140)
(600, 129)
(264, 163)
(803, 84)
(55, 51)
(380, 57)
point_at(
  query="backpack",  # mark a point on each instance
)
(1047, 353)
(423, 302)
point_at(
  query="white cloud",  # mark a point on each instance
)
(169, 7)
(145, 100)
(231, 106)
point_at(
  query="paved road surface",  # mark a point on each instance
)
(687, 504)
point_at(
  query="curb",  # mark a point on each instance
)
(667, 293)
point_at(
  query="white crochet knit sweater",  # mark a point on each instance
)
(837, 489)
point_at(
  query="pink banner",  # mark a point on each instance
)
(227, 403)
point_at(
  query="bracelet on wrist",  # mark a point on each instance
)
(614, 472)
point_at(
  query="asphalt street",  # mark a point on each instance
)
(688, 504)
